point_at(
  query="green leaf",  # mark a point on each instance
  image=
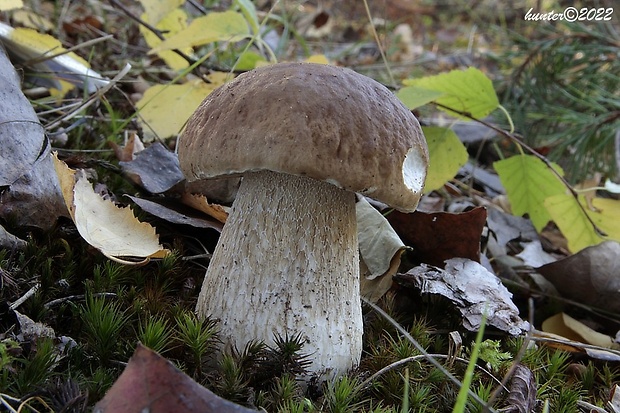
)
(249, 12)
(215, 26)
(528, 182)
(413, 97)
(469, 91)
(572, 221)
(447, 155)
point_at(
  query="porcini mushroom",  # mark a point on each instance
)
(305, 137)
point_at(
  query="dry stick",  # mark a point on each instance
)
(424, 356)
(87, 43)
(533, 151)
(423, 351)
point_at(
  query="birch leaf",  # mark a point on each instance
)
(469, 91)
(164, 109)
(447, 155)
(528, 182)
(572, 221)
(215, 26)
(113, 230)
(170, 24)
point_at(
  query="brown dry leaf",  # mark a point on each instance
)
(570, 346)
(114, 231)
(474, 291)
(589, 277)
(564, 325)
(439, 236)
(171, 214)
(10, 241)
(522, 391)
(201, 203)
(152, 383)
(127, 153)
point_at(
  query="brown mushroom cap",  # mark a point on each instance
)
(324, 122)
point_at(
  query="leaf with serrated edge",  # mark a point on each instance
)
(469, 91)
(114, 231)
(413, 97)
(447, 155)
(215, 26)
(572, 221)
(528, 182)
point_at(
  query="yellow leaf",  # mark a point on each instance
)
(171, 24)
(607, 216)
(447, 155)
(200, 202)
(155, 10)
(6, 5)
(114, 231)
(566, 326)
(572, 221)
(215, 26)
(28, 18)
(318, 58)
(164, 109)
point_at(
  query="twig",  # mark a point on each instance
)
(24, 297)
(75, 297)
(406, 360)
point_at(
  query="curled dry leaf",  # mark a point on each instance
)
(589, 277)
(566, 326)
(114, 231)
(474, 291)
(150, 383)
(380, 250)
(170, 213)
(522, 391)
(200, 202)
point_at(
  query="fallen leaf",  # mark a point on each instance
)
(114, 231)
(228, 26)
(589, 277)
(473, 290)
(164, 109)
(564, 325)
(380, 250)
(22, 137)
(439, 236)
(62, 71)
(447, 156)
(529, 182)
(169, 24)
(150, 383)
(155, 168)
(413, 97)
(169, 214)
(201, 203)
(127, 152)
(155, 10)
(521, 391)
(572, 221)
(467, 90)
(6, 5)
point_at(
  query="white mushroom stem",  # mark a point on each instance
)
(287, 262)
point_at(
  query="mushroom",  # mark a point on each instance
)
(305, 138)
